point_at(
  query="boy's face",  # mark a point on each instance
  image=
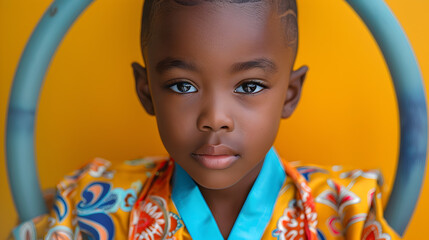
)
(217, 80)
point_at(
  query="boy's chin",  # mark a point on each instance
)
(213, 180)
(240, 173)
(214, 185)
(216, 180)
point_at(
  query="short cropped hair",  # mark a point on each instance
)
(286, 10)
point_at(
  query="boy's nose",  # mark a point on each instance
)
(214, 117)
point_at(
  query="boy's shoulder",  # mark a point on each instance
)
(103, 169)
(343, 175)
(98, 186)
(341, 180)
(348, 201)
(99, 171)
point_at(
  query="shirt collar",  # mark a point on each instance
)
(254, 215)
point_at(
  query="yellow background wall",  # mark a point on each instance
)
(88, 107)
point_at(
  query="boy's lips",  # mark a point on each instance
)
(215, 157)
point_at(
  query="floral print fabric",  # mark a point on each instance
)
(133, 201)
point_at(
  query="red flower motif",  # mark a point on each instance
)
(373, 231)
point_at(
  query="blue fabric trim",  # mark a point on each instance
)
(258, 208)
(192, 207)
(254, 216)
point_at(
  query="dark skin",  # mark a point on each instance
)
(219, 75)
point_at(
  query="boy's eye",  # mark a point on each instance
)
(183, 87)
(249, 88)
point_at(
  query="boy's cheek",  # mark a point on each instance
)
(176, 131)
(257, 135)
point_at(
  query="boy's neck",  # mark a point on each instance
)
(225, 204)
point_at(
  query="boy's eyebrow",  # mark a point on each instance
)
(265, 64)
(169, 63)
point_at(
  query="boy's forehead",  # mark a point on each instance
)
(251, 28)
(211, 14)
(212, 17)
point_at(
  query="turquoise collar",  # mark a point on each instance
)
(253, 217)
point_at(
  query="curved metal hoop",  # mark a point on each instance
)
(377, 16)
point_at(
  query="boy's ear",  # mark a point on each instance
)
(142, 87)
(294, 91)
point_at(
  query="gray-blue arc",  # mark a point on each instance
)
(411, 99)
(22, 172)
(61, 15)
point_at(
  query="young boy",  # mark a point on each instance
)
(218, 77)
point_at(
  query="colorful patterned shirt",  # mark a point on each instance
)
(154, 198)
